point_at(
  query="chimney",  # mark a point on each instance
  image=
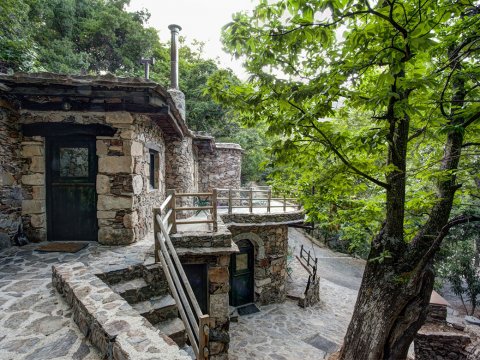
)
(177, 96)
(174, 29)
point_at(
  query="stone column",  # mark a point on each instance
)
(115, 181)
(179, 169)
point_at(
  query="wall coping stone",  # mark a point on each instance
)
(272, 219)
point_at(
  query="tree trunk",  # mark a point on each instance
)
(390, 308)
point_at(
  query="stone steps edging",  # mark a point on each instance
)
(107, 320)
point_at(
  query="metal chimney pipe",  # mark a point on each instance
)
(174, 29)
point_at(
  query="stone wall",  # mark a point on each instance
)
(33, 188)
(179, 170)
(10, 176)
(125, 197)
(440, 341)
(218, 288)
(220, 168)
(271, 247)
(107, 320)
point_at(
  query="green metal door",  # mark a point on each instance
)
(71, 169)
(241, 274)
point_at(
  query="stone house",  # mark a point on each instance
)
(88, 158)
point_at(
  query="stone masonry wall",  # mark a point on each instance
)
(125, 198)
(218, 285)
(150, 135)
(440, 341)
(10, 175)
(220, 169)
(179, 170)
(271, 248)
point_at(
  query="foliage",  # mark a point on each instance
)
(97, 36)
(459, 263)
(71, 36)
(372, 103)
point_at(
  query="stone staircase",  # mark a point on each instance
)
(146, 290)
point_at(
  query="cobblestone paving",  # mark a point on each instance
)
(284, 331)
(35, 322)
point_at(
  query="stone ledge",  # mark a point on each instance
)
(107, 320)
(208, 251)
(274, 219)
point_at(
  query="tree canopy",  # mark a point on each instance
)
(376, 105)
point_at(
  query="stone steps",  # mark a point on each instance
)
(134, 291)
(174, 329)
(157, 309)
(144, 291)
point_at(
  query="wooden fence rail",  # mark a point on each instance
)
(197, 324)
(251, 199)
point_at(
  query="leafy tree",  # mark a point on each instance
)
(370, 98)
(17, 49)
(70, 36)
(458, 264)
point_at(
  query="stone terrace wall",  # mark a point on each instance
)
(271, 248)
(220, 169)
(440, 341)
(10, 175)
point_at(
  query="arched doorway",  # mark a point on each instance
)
(241, 274)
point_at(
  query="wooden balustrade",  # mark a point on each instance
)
(197, 324)
(251, 199)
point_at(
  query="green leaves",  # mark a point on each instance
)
(334, 79)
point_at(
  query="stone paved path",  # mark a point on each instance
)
(35, 322)
(286, 331)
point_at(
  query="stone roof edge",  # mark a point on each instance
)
(108, 80)
(231, 146)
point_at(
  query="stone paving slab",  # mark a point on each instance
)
(35, 321)
(286, 331)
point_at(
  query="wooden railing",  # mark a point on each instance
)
(254, 198)
(203, 201)
(310, 266)
(197, 324)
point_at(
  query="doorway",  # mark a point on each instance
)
(71, 170)
(242, 274)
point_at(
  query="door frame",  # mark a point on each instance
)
(93, 171)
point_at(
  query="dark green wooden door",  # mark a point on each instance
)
(241, 274)
(197, 275)
(71, 165)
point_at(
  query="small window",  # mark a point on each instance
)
(154, 169)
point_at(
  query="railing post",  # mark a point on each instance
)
(203, 337)
(284, 203)
(156, 230)
(269, 200)
(173, 206)
(214, 209)
(251, 200)
(230, 201)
